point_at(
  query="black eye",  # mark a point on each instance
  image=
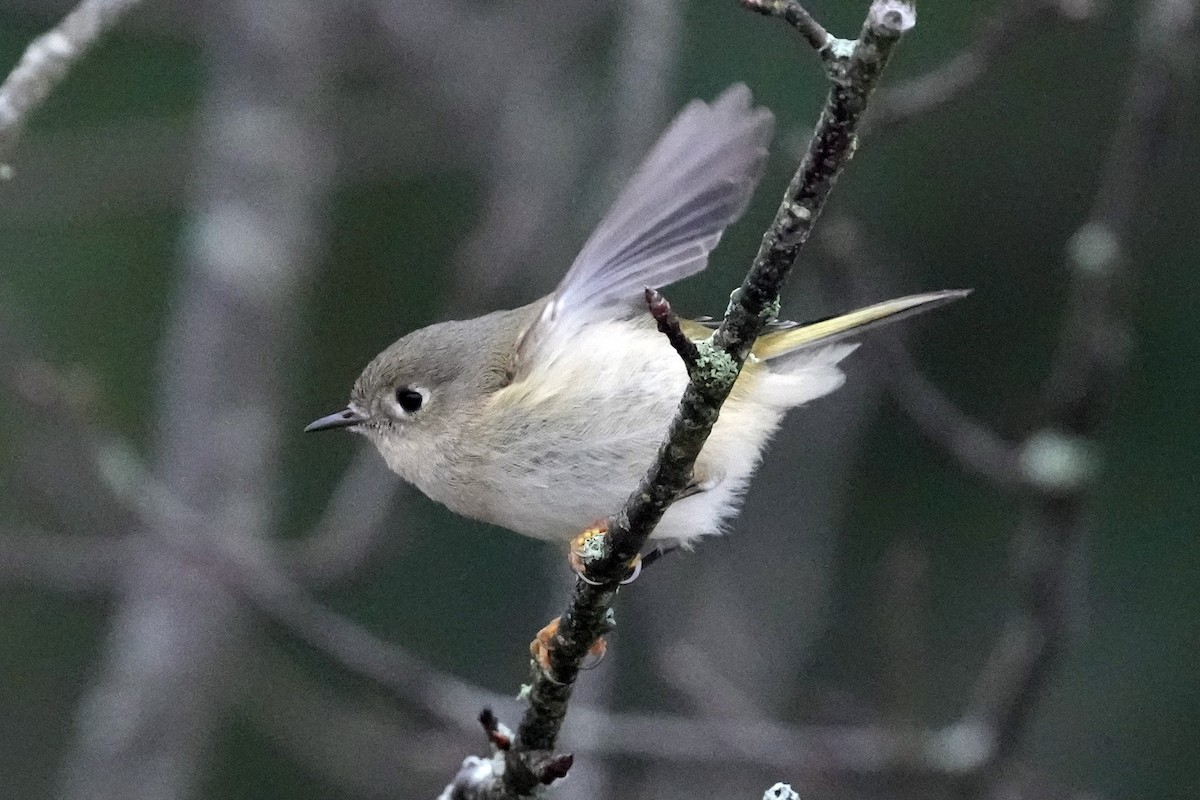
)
(409, 399)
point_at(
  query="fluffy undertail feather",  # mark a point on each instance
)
(803, 375)
(776, 344)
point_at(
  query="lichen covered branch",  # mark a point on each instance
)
(854, 71)
(47, 60)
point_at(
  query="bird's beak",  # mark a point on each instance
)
(339, 419)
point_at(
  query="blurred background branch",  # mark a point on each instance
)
(1059, 456)
(146, 728)
(48, 59)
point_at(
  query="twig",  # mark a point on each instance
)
(690, 672)
(46, 62)
(854, 71)
(796, 15)
(55, 440)
(669, 326)
(1057, 458)
(973, 445)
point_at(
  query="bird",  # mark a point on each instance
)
(542, 419)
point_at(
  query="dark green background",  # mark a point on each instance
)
(984, 194)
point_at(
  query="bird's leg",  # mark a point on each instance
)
(696, 486)
(590, 544)
(584, 548)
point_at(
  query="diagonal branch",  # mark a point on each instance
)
(48, 59)
(854, 69)
(352, 527)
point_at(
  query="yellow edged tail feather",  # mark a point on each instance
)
(779, 343)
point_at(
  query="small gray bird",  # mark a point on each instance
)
(543, 418)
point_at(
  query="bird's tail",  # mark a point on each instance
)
(798, 336)
(802, 359)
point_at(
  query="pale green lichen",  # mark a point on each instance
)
(1058, 463)
(770, 312)
(591, 548)
(714, 367)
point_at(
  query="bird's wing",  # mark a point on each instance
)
(696, 180)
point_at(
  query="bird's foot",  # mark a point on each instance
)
(547, 639)
(586, 548)
(589, 546)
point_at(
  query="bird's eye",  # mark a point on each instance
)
(409, 399)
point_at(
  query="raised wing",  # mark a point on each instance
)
(696, 180)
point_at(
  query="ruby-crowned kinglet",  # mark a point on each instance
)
(542, 419)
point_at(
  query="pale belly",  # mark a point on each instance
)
(567, 456)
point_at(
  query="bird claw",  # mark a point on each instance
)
(542, 645)
(635, 569)
(588, 546)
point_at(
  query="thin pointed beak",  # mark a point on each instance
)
(339, 419)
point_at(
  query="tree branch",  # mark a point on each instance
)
(854, 69)
(47, 60)
(351, 529)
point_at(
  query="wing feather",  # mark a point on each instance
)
(696, 180)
